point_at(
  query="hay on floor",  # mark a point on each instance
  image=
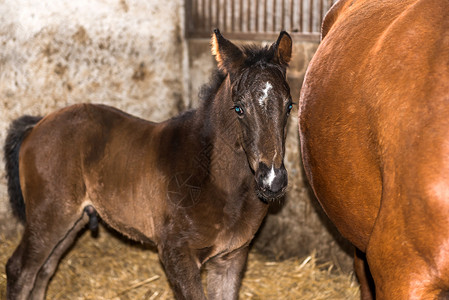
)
(109, 267)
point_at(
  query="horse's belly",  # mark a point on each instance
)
(340, 161)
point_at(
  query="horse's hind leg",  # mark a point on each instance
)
(36, 258)
(364, 276)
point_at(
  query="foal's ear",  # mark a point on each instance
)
(283, 49)
(229, 57)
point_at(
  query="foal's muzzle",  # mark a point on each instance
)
(271, 182)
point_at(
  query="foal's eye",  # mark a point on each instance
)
(238, 110)
(289, 108)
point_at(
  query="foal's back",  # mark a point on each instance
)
(95, 143)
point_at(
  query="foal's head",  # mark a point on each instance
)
(262, 103)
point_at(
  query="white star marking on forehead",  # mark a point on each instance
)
(263, 98)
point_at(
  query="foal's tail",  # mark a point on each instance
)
(16, 133)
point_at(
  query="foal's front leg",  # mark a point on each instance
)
(224, 274)
(182, 272)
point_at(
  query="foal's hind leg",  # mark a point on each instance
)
(35, 259)
(49, 268)
(182, 271)
(224, 274)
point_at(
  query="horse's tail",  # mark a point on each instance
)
(16, 133)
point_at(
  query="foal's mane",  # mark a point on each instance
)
(257, 55)
(208, 90)
(254, 54)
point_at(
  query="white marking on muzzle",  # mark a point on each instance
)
(268, 181)
(262, 100)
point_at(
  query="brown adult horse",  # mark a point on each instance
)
(196, 185)
(374, 125)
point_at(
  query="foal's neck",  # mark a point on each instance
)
(218, 122)
(218, 134)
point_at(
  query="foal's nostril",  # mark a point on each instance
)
(262, 175)
(280, 180)
(272, 179)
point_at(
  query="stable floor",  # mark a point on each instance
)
(111, 267)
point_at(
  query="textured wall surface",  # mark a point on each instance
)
(125, 53)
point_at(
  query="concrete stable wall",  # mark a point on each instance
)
(125, 53)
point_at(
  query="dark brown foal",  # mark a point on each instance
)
(196, 185)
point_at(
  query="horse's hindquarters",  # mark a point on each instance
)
(374, 139)
(340, 156)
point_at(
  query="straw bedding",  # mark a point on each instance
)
(110, 267)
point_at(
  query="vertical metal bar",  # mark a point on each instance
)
(241, 16)
(282, 15)
(232, 15)
(274, 16)
(301, 9)
(248, 15)
(225, 16)
(193, 11)
(197, 14)
(257, 15)
(311, 16)
(292, 11)
(321, 13)
(200, 14)
(265, 16)
(208, 15)
(188, 18)
(217, 13)
(210, 24)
